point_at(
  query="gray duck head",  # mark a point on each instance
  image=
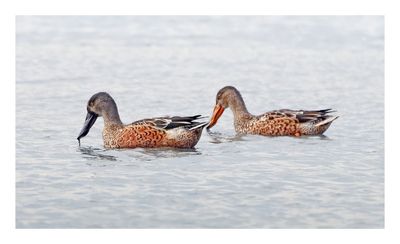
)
(98, 105)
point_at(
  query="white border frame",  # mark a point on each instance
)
(155, 7)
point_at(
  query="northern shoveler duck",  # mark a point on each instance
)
(180, 132)
(284, 122)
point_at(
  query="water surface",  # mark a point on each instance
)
(155, 66)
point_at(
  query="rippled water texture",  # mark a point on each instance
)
(155, 66)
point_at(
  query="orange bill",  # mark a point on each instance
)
(218, 110)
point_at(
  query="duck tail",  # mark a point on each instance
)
(327, 120)
(199, 125)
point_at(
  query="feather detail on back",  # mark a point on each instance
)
(291, 122)
(167, 123)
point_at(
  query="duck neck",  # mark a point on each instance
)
(111, 115)
(238, 107)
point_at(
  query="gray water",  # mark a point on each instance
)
(155, 66)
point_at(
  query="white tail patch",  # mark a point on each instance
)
(182, 122)
(327, 120)
(199, 125)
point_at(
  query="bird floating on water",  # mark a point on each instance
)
(176, 131)
(283, 122)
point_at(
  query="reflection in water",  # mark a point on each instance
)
(95, 153)
(218, 137)
(150, 154)
(143, 154)
(314, 138)
(324, 137)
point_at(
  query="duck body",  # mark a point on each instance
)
(177, 131)
(283, 122)
(153, 133)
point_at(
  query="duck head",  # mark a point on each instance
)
(97, 106)
(225, 97)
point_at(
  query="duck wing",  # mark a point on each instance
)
(303, 116)
(167, 122)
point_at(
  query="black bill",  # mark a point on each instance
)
(89, 122)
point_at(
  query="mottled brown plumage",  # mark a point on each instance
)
(284, 122)
(180, 132)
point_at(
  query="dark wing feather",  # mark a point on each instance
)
(168, 123)
(313, 115)
(303, 116)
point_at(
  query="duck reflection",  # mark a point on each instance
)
(217, 137)
(93, 153)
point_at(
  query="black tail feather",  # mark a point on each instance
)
(314, 115)
(189, 121)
